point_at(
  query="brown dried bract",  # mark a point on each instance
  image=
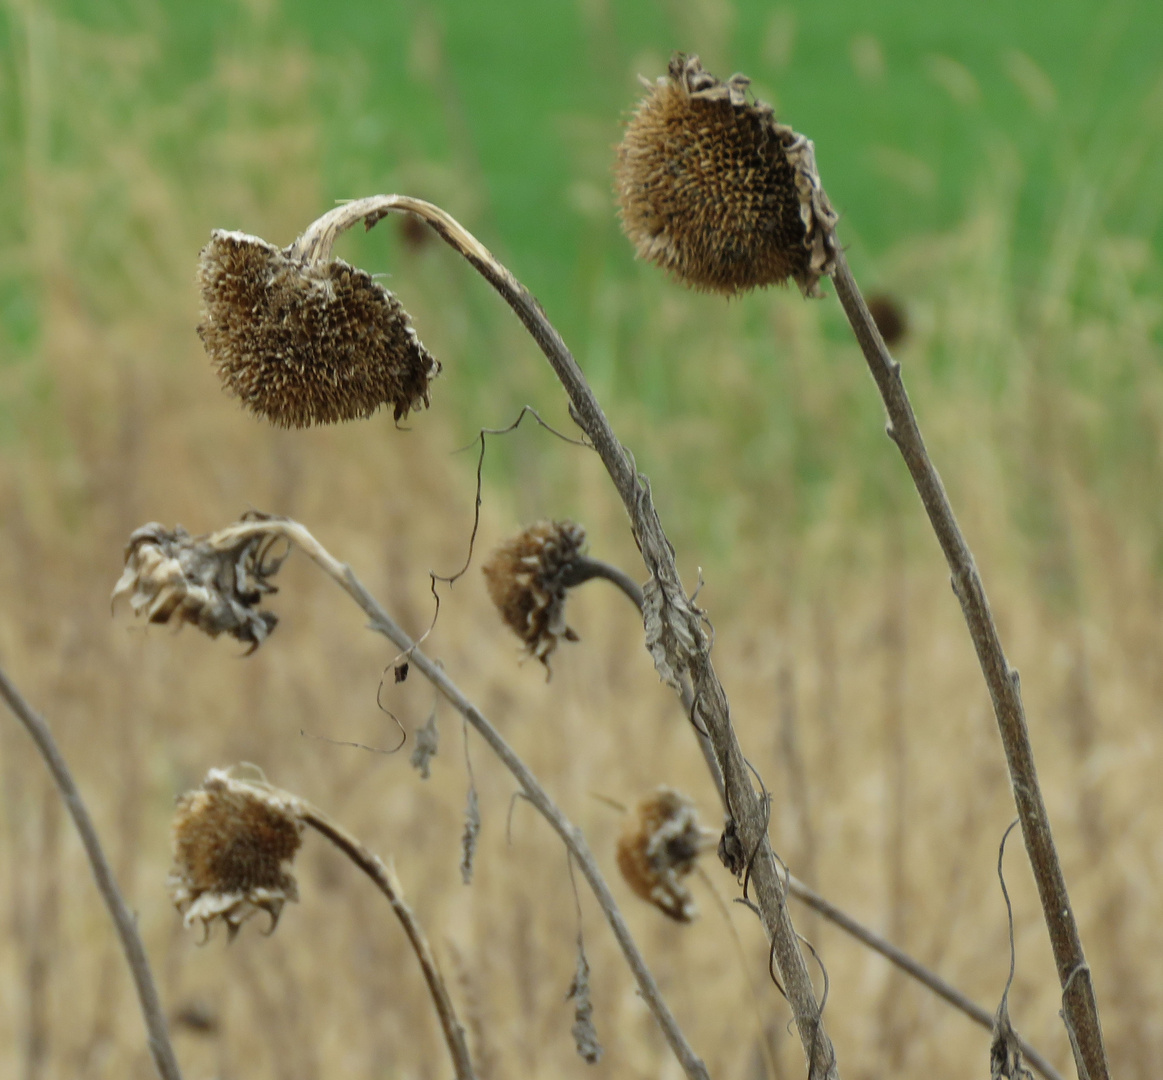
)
(234, 839)
(660, 841)
(714, 190)
(302, 342)
(528, 577)
(172, 576)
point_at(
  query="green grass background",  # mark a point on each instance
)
(998, 168)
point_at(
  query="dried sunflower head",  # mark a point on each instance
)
(304, 341)
(661, 839)
(714, 190)
(528, 577)
(215, 582)
(234, 839)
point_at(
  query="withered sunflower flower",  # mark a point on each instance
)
(660, 841)
(234, 839)
(307, 339)
(714, 190)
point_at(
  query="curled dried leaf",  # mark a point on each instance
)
(213, 582)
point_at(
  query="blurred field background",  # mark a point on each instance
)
(999, 169)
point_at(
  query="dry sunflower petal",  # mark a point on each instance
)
(304, 341)
(661, 839)
(233, 841)
(172, 576)
(528, 577)
(714, 190)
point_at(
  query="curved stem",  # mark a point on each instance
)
(571, 836)
(676, 637)
(385, 880)
(1079, 1007)
(123, 919)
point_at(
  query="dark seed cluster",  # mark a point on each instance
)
(712, 189)
(303, 343)
(528, 577)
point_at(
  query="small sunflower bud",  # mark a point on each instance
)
(528, 577)
(215, 586)
(303, 341)
(233, 841)
(712, 189)
(661, 838)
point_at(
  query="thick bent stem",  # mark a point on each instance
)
(676, 636)
(385, 880)
(123, 919)
(570, 835)
(1079, 1007)
(586, 568)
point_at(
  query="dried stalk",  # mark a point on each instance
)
(912, 967)
(1079, 1007)
(385, 880)
(155, 1021)
(676, 638)
(571, 836)
(837, 916)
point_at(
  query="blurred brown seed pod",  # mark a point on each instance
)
(302, 342)
(712, 189)
(661, 839)
(528, 577)
(890, 317)
(234, 839)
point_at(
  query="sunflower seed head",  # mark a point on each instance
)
(527, 579)
(234, 839)
(171, 576)
(712, 189)
(301, 342)
(661, 839)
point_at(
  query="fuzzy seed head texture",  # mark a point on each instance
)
(173, 577)
(302, 343)
(660, 841)
(233, 842)
(527, 578)
(712, 189)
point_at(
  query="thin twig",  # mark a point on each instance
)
(131, 944)
(386, 881)
(1080, 1009)
(571, 836)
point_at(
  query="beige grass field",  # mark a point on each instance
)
(853, 684)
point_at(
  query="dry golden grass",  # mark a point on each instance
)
(830, 662)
